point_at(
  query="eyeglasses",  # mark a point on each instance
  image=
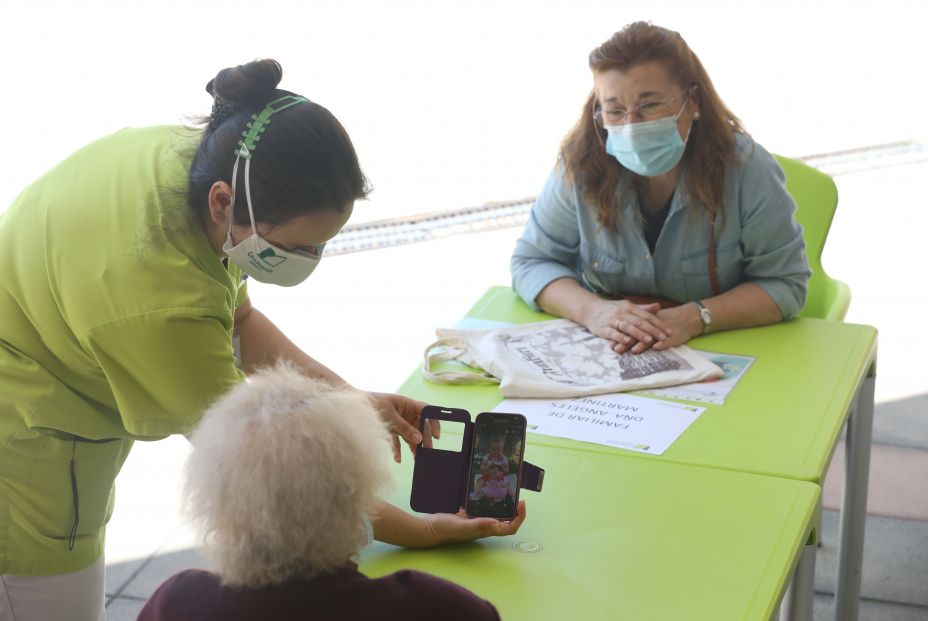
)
(647, 111)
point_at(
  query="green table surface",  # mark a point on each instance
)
(624, 539)
(782, 419)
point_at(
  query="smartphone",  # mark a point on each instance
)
(495, 473)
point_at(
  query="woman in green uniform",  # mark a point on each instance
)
(123, 290)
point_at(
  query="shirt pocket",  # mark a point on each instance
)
(602, 273)
(695, 269)
(57, 490)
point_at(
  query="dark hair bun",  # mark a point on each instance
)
(251, 83)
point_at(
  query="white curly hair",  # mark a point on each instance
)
(283, 472)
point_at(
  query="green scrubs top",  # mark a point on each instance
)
(116, 324)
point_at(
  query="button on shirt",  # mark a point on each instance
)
(757, 239)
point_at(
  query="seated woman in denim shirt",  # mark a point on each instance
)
(655, 175)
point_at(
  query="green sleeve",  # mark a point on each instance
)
(237, 276)
(164, 368)
(242, 294)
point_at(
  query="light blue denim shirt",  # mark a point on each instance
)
(757, 240)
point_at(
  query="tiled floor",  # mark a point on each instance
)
(370, 325)
(895, 558)
(897, 482)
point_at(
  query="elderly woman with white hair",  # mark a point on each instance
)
(284, 483)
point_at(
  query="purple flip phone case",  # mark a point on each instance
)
(439, 477)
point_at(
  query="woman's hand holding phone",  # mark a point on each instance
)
(447, 528)
(394, 526)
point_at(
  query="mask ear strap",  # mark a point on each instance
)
(232, 206)
(689, 95)
(596, 126)
(251, 212)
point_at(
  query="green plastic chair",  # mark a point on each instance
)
(816, 200)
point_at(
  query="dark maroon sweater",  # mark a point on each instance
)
(196, 595)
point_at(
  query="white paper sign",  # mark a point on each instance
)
(619, 420)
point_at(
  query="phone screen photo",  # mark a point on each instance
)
(496, 465)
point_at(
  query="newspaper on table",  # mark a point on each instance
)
(559, 358)
(713, 391)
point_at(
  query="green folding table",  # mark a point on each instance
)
(783, 419)
(626, 539)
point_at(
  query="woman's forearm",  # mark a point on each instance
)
(742, 306)
(565, 297)
(262, 343)
(394, 526)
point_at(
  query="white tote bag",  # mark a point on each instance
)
(558, 359)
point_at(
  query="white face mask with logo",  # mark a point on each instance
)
(256, 256)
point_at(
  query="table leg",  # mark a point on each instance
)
(800, 594)
(854, 508)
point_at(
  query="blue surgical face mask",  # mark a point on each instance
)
(649, 148)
